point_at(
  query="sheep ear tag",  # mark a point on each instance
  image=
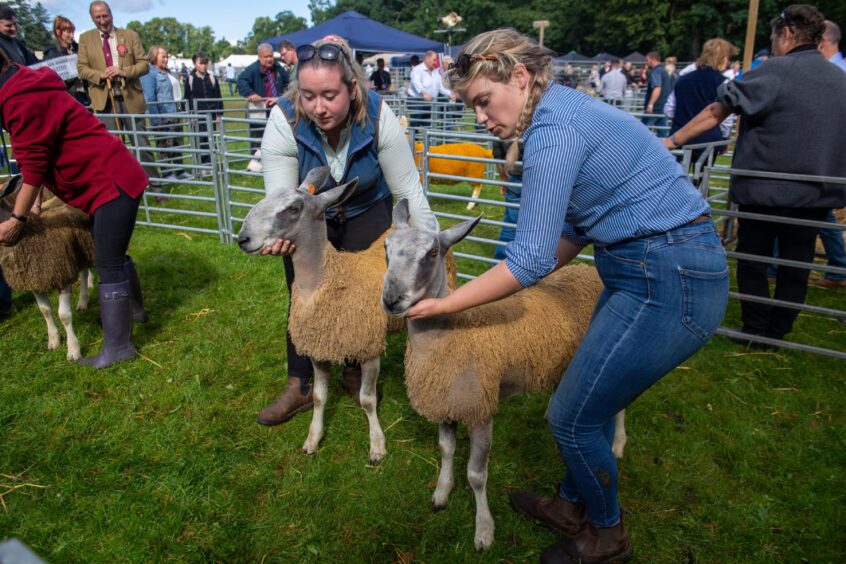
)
(311, 189)
(11, 186)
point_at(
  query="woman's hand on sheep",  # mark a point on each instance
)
(10, 232)
(280, 247)
(428, 308)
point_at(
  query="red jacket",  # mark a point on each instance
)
(61, 145)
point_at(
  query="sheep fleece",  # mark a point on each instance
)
(343, 319)
(457, 366)
(54, 247)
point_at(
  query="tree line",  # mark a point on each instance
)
(677, 27)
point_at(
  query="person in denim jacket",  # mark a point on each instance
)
(161, 91)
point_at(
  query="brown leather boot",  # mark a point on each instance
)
(351, 380)
(554, 512)
(592, 546)
(296, 397)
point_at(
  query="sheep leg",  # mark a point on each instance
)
(477, 191)
(477, 474)
(320, 392)
(446, 442)
(368, 399)
(619, 434)
(82, 302)
(66, 317)
(43, 301)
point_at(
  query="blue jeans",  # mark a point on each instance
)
(832, 241)
(506, 234)
(5, 297)
(664, 297)
(656, 121)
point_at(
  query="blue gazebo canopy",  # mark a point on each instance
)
(363, 34)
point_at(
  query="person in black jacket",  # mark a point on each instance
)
(64, 45)
(380, 78)
(262, 83)
(200, 85)
(792, 111)
(14, 48)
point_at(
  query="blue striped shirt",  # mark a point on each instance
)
(593, 174)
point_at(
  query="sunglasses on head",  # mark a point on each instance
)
(326, 52)
(462, 64)
(787, 22)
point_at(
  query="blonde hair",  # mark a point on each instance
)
(503, 49)
(351, 72)
(153, 54)
(714, 52)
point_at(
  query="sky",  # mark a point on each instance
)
(228, 18)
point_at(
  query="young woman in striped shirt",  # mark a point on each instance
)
(592, 175)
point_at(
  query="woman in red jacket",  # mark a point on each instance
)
(62, 146)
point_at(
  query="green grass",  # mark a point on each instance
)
(733, 457)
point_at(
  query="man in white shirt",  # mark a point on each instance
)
(425, 85)
(612, 85)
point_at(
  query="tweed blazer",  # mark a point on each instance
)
(133, 62)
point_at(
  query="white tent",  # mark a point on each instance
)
(239, 62)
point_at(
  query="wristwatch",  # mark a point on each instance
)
(21, 218)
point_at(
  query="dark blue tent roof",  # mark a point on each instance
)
(635, 57)
(363, 34)
(605, 57)
(569, 57)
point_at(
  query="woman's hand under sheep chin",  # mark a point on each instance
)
(280, 247)
(429, 307)
(10, 232)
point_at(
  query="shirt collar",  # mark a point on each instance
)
(111, 32)
(800, 48)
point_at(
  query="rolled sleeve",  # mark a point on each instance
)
(554, 154)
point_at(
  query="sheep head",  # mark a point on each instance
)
(7, 195)
(290, 213)
(415, 259)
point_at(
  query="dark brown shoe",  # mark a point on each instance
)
(351, 380)
(592, 546)
(554, 512)
(291, 401)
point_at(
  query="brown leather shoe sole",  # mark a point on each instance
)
(272, 422)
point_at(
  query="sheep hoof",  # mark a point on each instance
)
(435, 506)
(470, 205)
(618, 451)
(483, 540)
(53, 343)
(310, 447)
(74, 355)
(81, 307)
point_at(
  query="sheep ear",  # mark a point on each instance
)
(11, 186)
(337, 195)
(401, 214)
(315, 180)
(451, 236)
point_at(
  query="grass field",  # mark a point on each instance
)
(733, 457)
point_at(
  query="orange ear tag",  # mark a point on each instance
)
(311, 188)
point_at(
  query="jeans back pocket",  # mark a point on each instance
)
(705, 297)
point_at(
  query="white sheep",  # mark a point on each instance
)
(55, 248)
(335, 313)
(459, 366)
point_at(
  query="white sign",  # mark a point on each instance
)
(65, 66)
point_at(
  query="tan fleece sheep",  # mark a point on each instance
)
(459, 366)
(55, 249)
(454, 167)
(335, 313)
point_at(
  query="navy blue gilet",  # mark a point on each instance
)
(362, 158)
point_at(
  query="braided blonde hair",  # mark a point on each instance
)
(350, 71)
(502, 50)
